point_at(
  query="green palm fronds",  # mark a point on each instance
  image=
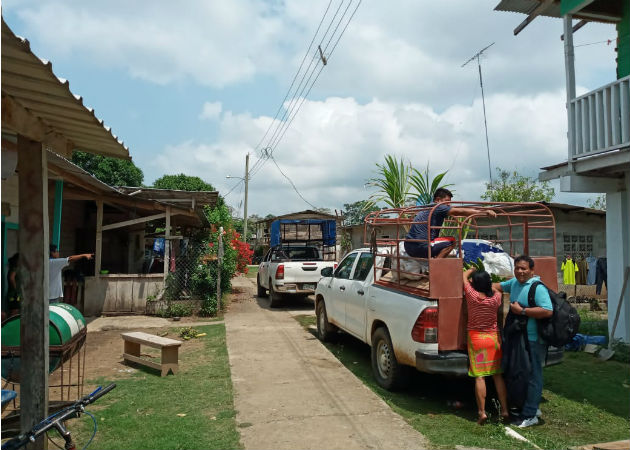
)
(392, 183)
(424, 187)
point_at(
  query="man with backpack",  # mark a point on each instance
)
(518, 288)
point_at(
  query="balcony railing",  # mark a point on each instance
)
(600, 120)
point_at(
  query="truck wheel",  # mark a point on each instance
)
(274, 297)
(326, 332)
(262, 292)
(387, 372)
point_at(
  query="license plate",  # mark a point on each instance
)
(308, 286)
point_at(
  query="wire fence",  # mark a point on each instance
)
(193, 284)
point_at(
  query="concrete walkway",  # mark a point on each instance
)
(292, 393)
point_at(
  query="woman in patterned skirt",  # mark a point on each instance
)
(484, 339)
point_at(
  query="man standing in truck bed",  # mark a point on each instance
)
(419, 230)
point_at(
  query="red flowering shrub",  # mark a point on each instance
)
(243, 253)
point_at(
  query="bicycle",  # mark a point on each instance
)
(57, 421)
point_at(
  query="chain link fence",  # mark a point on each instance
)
(193, 283)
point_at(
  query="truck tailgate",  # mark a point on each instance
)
(304, 272)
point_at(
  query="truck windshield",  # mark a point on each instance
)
(299, 253)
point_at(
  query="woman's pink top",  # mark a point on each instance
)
(482, 310)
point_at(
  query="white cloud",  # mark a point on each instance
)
(401, 50)
(331, 148)
(211, 110)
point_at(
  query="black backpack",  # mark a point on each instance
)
(559, 329)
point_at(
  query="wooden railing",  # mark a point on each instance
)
(600, 120)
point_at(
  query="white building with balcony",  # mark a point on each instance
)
(598, 159)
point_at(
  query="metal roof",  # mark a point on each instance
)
(73, 175)
(606, 11)
(196, 200)
(37, 104)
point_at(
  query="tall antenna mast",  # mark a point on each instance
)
(483, 101)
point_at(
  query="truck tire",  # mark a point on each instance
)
(274, 297)
(326, 332)
(262, 292)
(387, 372)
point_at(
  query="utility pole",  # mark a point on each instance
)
(483, 100)
(245, 206)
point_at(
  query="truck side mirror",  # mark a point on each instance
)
(327, 272)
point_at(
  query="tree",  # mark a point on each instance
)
(424, 186)
(598, 203)
(111, 171)
(354, 213)
(398, 184)
(514, 187)
(182, 182)
(391, 183)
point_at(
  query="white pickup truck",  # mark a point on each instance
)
(401, 328)
(293, 269)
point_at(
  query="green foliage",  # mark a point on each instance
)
(479, 266)
(424, 186)
(391, 182)
(182, 182)
(111, 171)
(177, 309)
(598, 203)
(354, 213)
(398, 184)
(514, 187)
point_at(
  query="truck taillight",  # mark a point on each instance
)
(426, 327)
(280, 272)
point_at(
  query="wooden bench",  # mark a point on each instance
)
(169, 347)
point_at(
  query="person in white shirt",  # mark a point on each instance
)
(55, 266)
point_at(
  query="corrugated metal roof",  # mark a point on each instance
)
(39, 105)
(196, 200)
(527, 6)
(72, 174)
(606, 11)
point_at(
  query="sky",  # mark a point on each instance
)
(193, 87)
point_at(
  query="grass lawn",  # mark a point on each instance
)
(584, 401)
(252, 271)
(193, 409)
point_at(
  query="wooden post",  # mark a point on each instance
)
(167, 243)
(33, 267)
(98, 251)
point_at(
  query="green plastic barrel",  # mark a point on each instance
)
(65, 322)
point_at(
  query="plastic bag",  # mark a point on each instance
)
(410, 265)
(500, 264)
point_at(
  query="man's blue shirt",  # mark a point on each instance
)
(519, 292)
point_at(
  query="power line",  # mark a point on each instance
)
(291, 181)
(295, 76)
(297, 102)
(273, 123)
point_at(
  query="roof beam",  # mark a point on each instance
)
(126, 223)
(22, 121)
(538, 10)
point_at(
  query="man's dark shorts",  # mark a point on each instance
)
(419, 249)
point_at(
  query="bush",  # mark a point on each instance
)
(177, 309)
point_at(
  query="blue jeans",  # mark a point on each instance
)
(538, 353)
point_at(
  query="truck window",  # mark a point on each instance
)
(364, 265)
(303, 253)
(345, 267)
